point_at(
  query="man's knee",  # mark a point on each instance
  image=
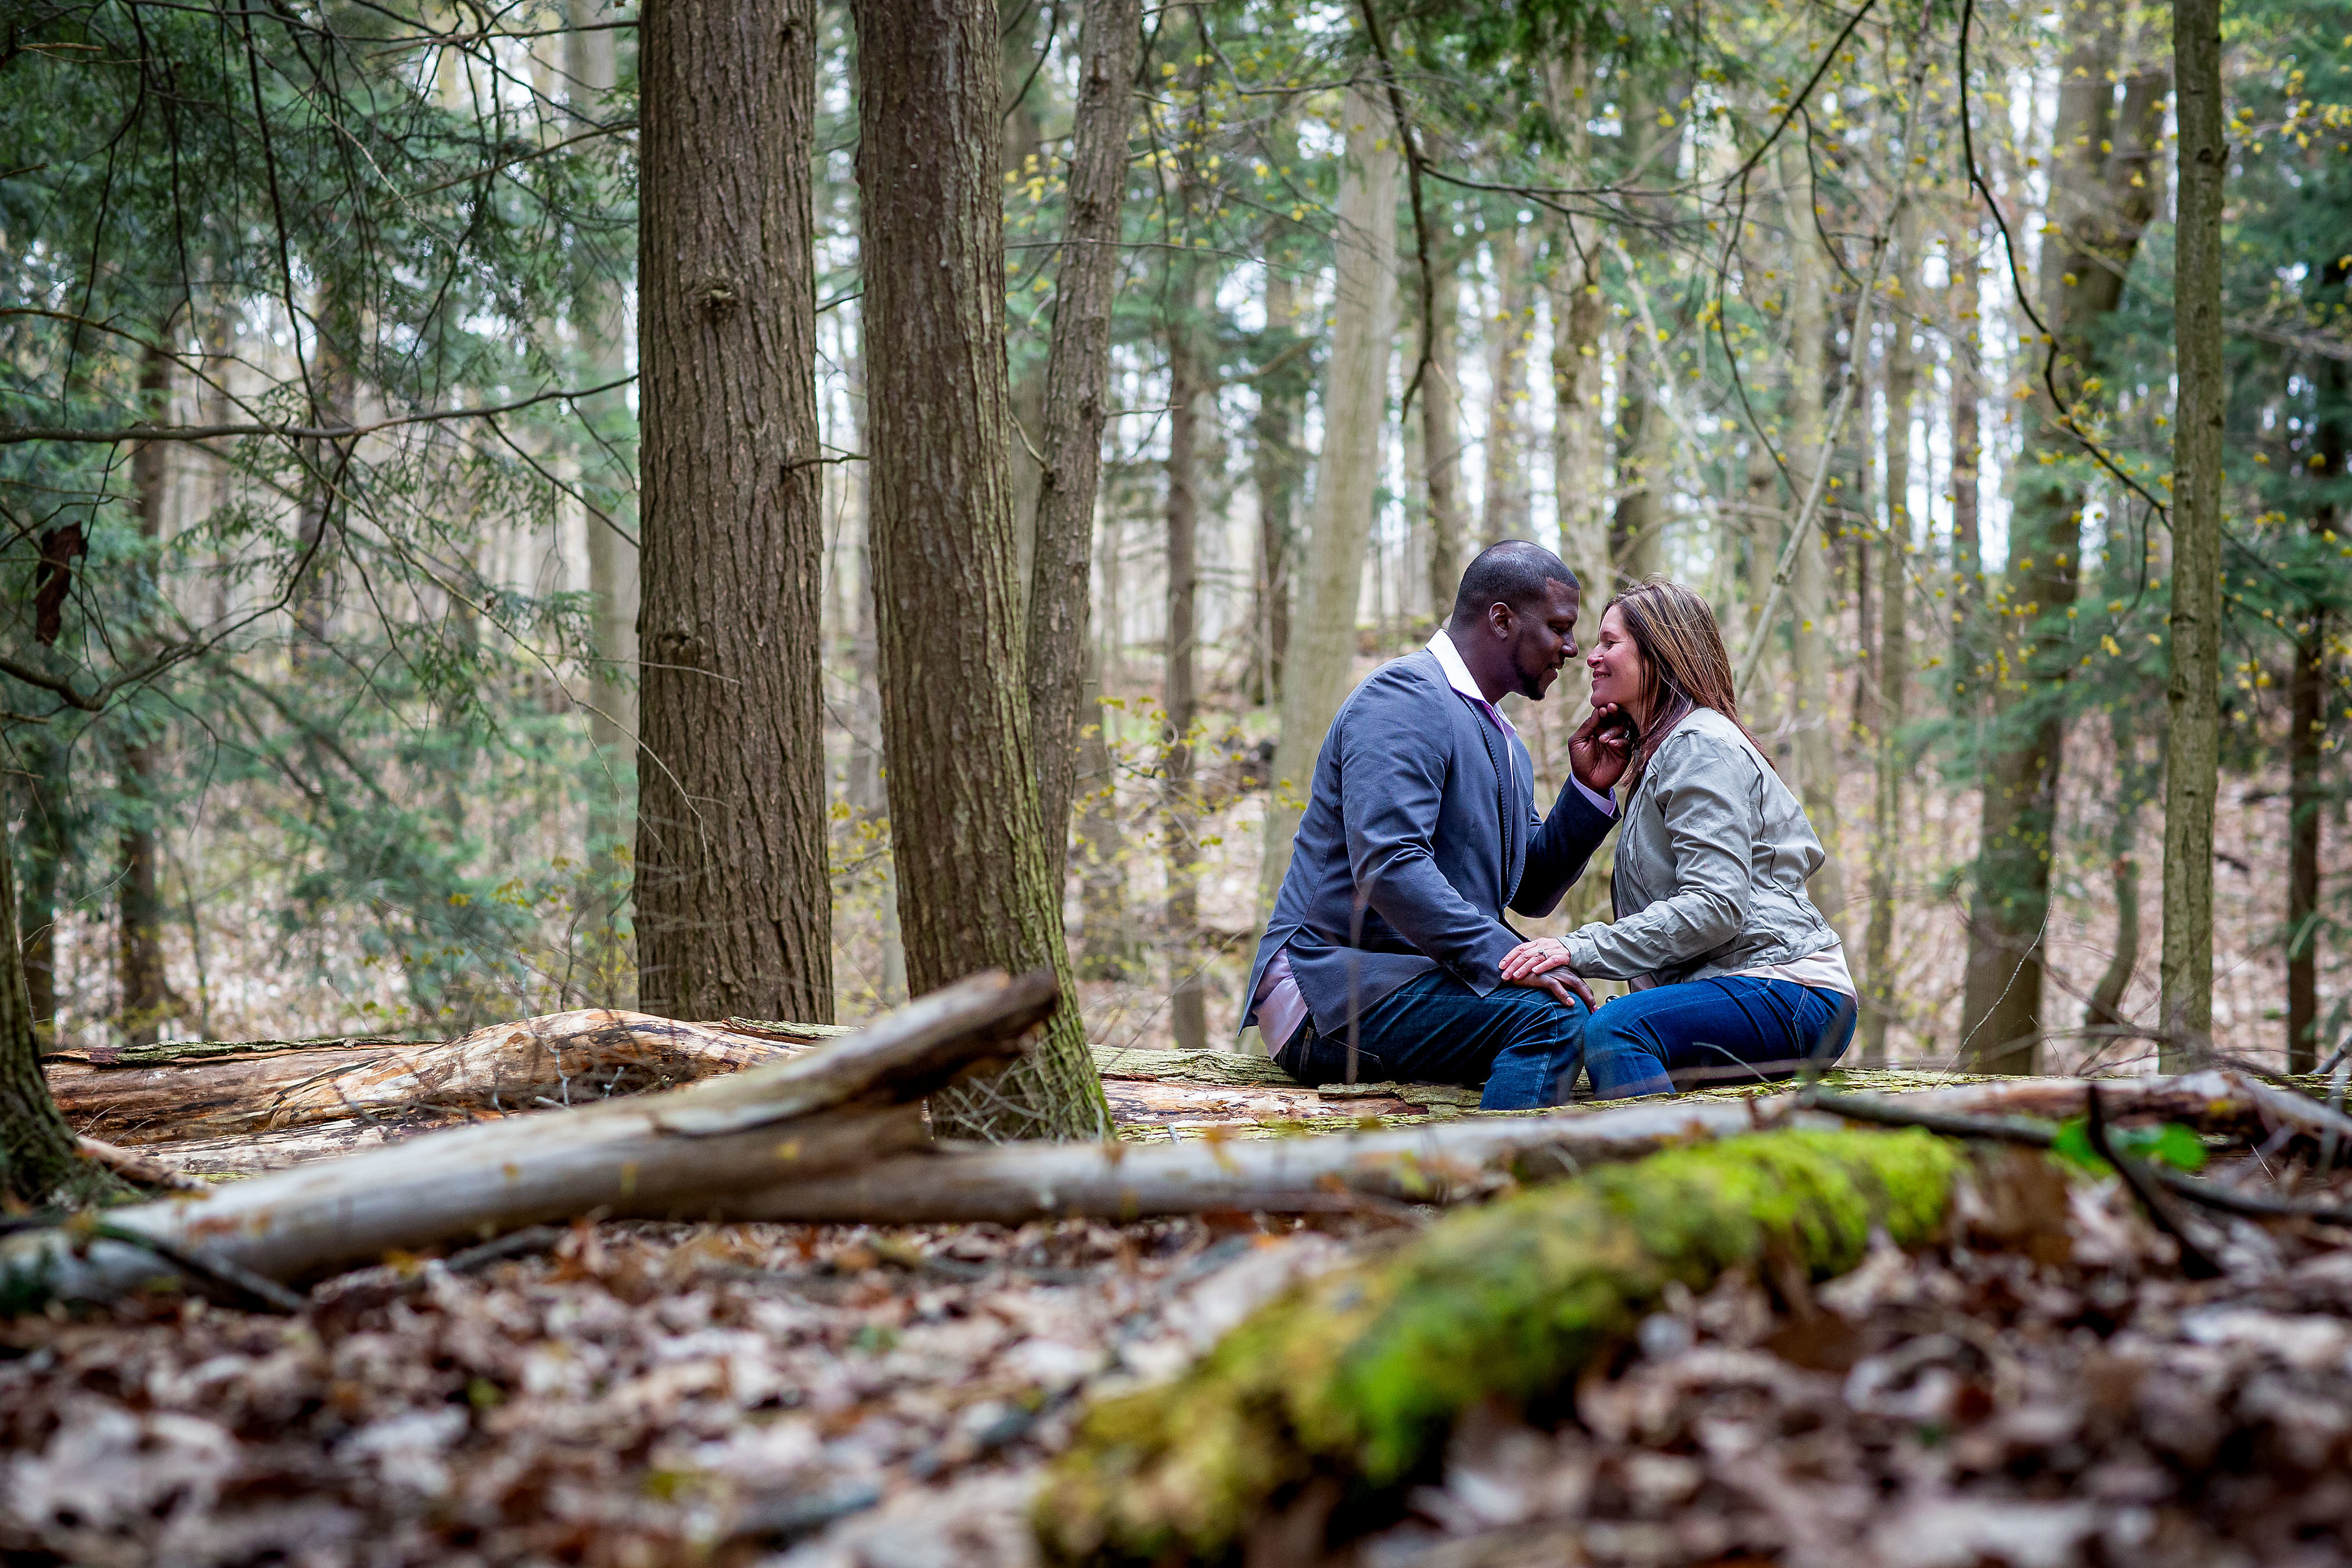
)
(1538, 1016)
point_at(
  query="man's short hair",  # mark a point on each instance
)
(1514, 573)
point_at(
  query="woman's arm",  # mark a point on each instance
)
(1703, 795)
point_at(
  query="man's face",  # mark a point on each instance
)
(1543, 639)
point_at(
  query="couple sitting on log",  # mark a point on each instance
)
(1388, 957)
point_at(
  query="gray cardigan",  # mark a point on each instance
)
(1711, 867)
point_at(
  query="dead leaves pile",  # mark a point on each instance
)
(648, 1394)
(1972, 1406)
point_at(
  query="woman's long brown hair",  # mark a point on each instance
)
(1684, 665)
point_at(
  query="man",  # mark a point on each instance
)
(1380, 961)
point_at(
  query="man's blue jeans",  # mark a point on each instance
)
(1732, 1029)
(1520, 1043)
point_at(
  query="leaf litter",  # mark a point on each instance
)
(2045, 1391)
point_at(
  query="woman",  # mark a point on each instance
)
(1734, 973)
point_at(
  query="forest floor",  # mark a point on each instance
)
(887, 1397)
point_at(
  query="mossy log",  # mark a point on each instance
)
(1437, 1161)
(1359, 1376)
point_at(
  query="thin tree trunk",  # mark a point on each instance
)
(1355, 399)
(1022, 87)
(1579, 314)
(1808, 589)
(2105, 1010)
(1187, 390)
(1502, 507)
(1275, 466)
(1967, 559)
(2308, 729)
(976, 885)
(1441, 441)
(733, 895)
(1111, 950)
(1636, 523)
(1076, 376)
(1893, 660)
(139, 963)
(48, 840)
(611, 524)
(2191, 696)
(2098, 213)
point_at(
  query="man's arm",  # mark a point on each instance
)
(1393, 757)
(1561, 849)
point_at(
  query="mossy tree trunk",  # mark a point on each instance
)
(38, 1161)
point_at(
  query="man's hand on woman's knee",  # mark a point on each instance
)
(1560, 985)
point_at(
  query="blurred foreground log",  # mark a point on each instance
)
(1435, 1163)
(211, 1089)
(676, 1154)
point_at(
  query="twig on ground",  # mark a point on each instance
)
(2194, 1262)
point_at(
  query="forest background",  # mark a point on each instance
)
(321, 472)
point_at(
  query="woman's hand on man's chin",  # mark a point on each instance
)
(1601, 747)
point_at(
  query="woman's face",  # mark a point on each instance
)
(1616, 666)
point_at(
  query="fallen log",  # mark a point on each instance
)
(1440, 1163)
(217, 1089)
(1357, 1378)
(675, 1154)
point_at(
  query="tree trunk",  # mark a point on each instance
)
(47, 844)
(1078, 374)
(1187, 390)
(2107, 1006)
(734, 903)
(1578, 314)
(2307, 724)
(2098, 213)
(1275, 466)
(139, 962)
(1808, 589)
(1022, 86)
(976, 886)
(1503, 508)
(1441, 440)
(1967, 557)
(1636, 523)
(611, 524)
(38, 1161)
(1355, 403)
(2192, 695)
(1112, 951)
(1893, 660)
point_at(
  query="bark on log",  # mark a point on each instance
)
(1440, 1163)
(562, 1058)
(673, 1154)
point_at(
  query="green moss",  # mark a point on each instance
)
(1363, 1373)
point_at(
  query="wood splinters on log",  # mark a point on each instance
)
(562, 1058)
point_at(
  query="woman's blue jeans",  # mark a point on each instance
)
(1731, 1029)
